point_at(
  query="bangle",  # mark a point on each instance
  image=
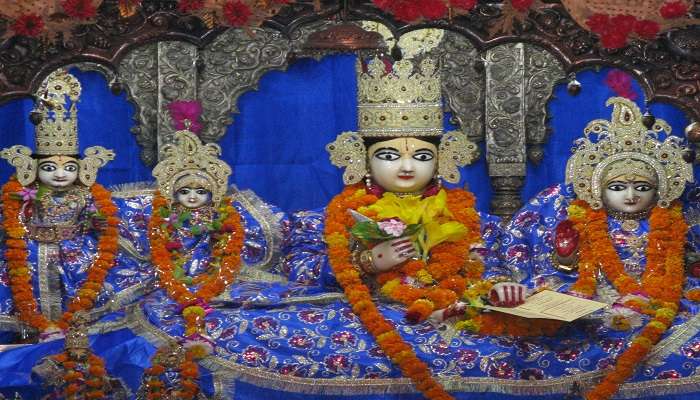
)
(366, 262)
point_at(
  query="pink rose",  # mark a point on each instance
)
(393, 227)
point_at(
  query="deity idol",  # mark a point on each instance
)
(60, 227)
(617, 233)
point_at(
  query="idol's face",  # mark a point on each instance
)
(403, 164)
(192, 198)
(631, 194)
(58, 171)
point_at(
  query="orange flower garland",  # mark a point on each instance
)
(449, 270)
(226, 253)
(662, 280)
(189, 373)
(75, 382)
(16, 255)
(447, 261)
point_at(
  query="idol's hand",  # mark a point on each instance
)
(507, 294)
(455, 309)
(566, 239)
(386, 255)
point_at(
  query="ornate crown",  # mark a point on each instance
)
(57, 132)
(190, 162)
(620, 145)
(400, 103)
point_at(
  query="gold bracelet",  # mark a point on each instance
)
(366, 262)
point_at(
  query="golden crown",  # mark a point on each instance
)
(57, 132)
(400, 103)
(619, 140)
(189, 161)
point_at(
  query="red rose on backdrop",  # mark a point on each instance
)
(623, 24)
(237, 13)
(613, 40)
(433, 9)
(28, 25)
(646, 29)
(521, 5)
(465, 5)
(405, 10)
(598, 23)
(185, 6)
(81, 9)
(673, 9)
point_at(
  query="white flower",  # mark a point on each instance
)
(393, 227)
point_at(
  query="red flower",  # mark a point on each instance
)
(598, 23)
(174, 245)
(405, 10)
(81, 9)
(673, 9)
(521, 5)
(646, 29)
(623, 24)
(28, 25)
(433, 9)
(613, 40)
(186, 6)
(463, 4)
(237, 13)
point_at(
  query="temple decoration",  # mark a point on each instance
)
(46, 18)
(617, 21)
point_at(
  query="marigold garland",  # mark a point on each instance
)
(447, 259)
(662, 281)
(449, 270)
(81, 385)
(225, 253)
(225, 257)
(189, 373)
(16, 254)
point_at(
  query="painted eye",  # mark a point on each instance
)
(643, 188)
(70, 168)
(183, 191)
(617, 187)
(423, 156)
(48, 167)
(202, 192)
(387, 155)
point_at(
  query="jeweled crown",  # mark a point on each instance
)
(57, 132)
(624, 137)
(189, 161)
(400, 102)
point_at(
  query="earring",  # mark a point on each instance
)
(368, 180)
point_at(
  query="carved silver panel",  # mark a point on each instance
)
(177, 80)
(463, 83)
(505, 110)
(232, 65)
(542, 72)
(138, 71)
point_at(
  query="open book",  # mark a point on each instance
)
(549, 304)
